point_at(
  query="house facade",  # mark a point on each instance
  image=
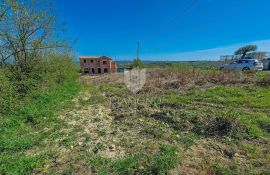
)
(95, 65)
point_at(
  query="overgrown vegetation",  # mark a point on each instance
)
(36, 82)
(216, 125)
(185, 120)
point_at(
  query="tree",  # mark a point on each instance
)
(136, 63)
(27, 31)
(5, 6)
(244, 50)
(3, 10)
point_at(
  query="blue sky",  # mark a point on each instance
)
(167, 30)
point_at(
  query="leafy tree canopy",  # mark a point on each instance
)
(244, 50)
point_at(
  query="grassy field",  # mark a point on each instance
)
(168, 64)
(184, 121)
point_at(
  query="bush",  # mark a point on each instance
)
(7, 94)
(43, 73)
(59, 68)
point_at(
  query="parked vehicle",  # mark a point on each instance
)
(243, 65)
(266, 64)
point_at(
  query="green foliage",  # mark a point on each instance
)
(46, 73)
(218, 111)
(19, 163)
(263, 79)
(189, 139)
(222, 170)
(137, 63)
(169, 64)
(28, 38)
(166, 160)
(222, 121)
(8, 95)
(180, 66)
(244, 50)
(26, 35)
(38, 83)
(212, 116)
(58, 69)
(23, 127)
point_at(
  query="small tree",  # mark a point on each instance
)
(28, 32)
(136, 63)
(244, 50)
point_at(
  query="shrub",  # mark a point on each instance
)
(58, 69)
(43, 73)
(7, 94)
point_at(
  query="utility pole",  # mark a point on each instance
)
(138, 48)
(139, 69)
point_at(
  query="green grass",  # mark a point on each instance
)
(249, 105)
(232, 115)
(167, 124)
(18, 163)
(141, 163)
(23, 128)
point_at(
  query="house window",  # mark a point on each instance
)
(99, 70)
(105, 70)
(84, 61)
(86, 71)
(92, 61)
(104, 62)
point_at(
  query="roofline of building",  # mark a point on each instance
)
(95, 57)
